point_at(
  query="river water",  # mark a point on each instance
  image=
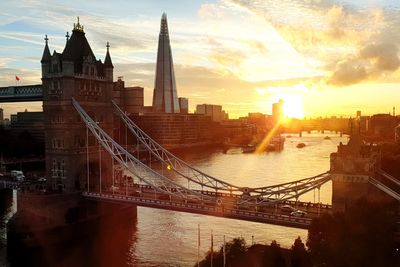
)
(168, 238)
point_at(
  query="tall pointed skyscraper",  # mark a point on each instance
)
(165, 98)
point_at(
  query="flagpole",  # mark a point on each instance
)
(198, 245)
(224, 252)
(212, 248)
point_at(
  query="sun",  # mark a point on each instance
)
(292, 96)
(293, 106)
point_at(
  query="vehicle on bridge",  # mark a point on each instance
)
(287, 208)
(298, 213)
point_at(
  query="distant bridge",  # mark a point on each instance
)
(23, 93)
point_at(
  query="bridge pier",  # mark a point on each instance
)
(45, 222)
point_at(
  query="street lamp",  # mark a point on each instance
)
(87, 156)
(98, 123)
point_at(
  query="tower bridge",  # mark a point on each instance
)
(83, 153)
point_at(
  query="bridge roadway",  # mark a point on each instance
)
(272, 214)
(146, 196)
(22, 160)
(21, 93)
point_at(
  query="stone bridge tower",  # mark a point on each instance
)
(351, 168)
(75, 73)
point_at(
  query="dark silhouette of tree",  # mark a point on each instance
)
(235, 251)
(363, 236)
(299, 254)
(273, 256)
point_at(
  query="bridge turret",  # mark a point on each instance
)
(352, 167)
(45, 58)
(75, 73)
(108, 66)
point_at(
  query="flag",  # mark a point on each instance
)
(16, 78)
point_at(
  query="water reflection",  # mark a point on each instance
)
(177, 232)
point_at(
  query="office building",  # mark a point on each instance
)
(165, 96)
(214, 111)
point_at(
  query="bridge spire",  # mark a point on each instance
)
(78, 27)
(46, 53)
(107, 60)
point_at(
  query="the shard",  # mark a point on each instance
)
(165, 98)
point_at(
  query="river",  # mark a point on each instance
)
(168, 238)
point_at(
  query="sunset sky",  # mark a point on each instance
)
(322, 57)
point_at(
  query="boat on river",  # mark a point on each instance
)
(249, 148)
(300, 145)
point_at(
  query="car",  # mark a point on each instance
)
(114, 188)
(42, 179)
(298, 213)
(136, 194)
(287, 208)
(164, 197)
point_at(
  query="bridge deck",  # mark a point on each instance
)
(271, 216)
(21, 93)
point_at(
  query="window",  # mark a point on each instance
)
(54, 169)
(55, 88)
(79, 141)
(62, 169)
(57, 119)
(58, 170)
(58, 143)
(55, 67)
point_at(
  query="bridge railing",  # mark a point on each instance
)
(18, 92)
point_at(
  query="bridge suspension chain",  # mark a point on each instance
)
(186, 171)
(136, 167)
(178, 165)
(163, 184)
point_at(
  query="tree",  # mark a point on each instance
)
(273, 256)
(299, 254)
(235, 251)
(363, 236)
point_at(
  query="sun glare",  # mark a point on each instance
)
(293, 106)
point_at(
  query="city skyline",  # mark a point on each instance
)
(240, 55)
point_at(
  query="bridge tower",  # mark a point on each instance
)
(352, 166)
(75, 73)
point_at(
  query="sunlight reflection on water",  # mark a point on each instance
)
(170, 238)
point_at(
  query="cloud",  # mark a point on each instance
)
(210, 11)
(348, 72)
(372, 61)
(4, 61)
(352, 42)
(258, 46)
(383, 56)
(27, 76)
